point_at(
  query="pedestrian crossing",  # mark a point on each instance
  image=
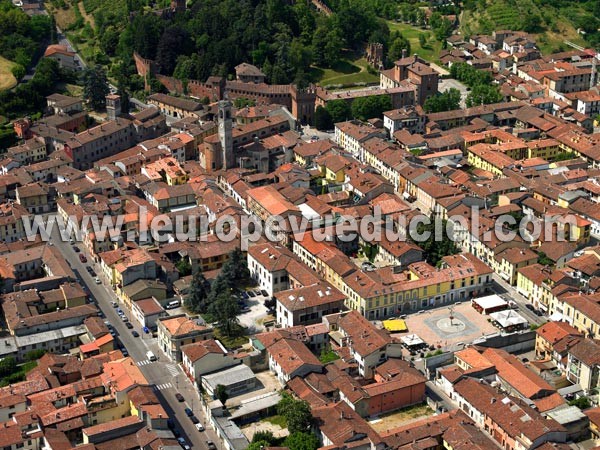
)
(144, 362)
(160, 387)
(173, 370)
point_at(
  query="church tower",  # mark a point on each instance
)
(226, 134)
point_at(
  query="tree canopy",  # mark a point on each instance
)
(296, 412)
(95, 87)
(443, 101)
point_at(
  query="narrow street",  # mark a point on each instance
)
(508, 292)
(167, 377)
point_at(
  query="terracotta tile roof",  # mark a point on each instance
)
(553, 332)
(291, 355)
(200, 349)
(309, 297)
(180, 326)
(342, 425)
(513, 416)
(366, 338)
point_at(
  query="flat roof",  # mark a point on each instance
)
(46, 336)
(412, 340)
(230, 376)
(490, 301)
(256, 404)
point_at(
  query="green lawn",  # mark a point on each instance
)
(276, 420)
(346, 72)
(7, 79)
(431, 51)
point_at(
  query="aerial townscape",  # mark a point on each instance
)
(299, 224)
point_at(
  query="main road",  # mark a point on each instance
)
(164, 374)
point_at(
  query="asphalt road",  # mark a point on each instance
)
(164, 374)
(508, 292)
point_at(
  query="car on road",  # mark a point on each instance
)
(530, 307)
(124, 351)
(251, 294)
(129, 325)
(135, 333)
(199, 427)
(264, 293)
(183, 443)
(92, 272)
(124, 318)
(315, 137)
(97, 280)
(82, 258)
(211, 445)
(189, 412)
(245, 295)
(179, 397)
(114, 304)
(120, 311)
(194, 420)
(76, 249)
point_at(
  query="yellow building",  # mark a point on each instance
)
(482, 156)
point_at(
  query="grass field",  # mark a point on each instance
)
(431, 50)
(348, 71)
(7, 79)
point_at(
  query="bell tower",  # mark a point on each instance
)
(226, 134)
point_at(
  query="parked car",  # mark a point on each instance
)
(120, 311)
(97, 280)
(251, 294)
(125, 352)
(129, 326)
(76, 249)
(199, 427)
(82, 258)
(134, 333)
(264, 293)
(245, 295)
(89, 269)
(194, 420)
(124, 318)
(179, 397)
(530, 307)
(211, 445)
(92, 273)
(183, 444)
(114, 304)
(189, 412)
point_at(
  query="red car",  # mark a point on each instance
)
(82, 258)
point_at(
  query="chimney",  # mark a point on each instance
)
(403, 53)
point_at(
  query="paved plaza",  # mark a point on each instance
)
(436, 328)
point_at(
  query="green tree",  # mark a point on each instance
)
(296, 412)
(435, 247)
(258, 445)
(264, 436)
(225, 310)
(221, 393)
(7, 366)
(445, 101)
(184, 267)
(365, 108)
(398, 44)
(482, 94)
(196, 300)
(18, 71)
(339, 110)
(581, 403)
(34, 355)
(235, 269)
(95, 87)
(301, 441)
(323, 119)
(544, 260)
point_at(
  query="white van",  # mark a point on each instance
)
(174, 304)
(151, 356)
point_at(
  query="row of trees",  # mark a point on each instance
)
(362, 108)
(483, 91)
(217, 300)
(443, 101)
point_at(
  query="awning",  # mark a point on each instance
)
(395, 325)
(412, 340)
